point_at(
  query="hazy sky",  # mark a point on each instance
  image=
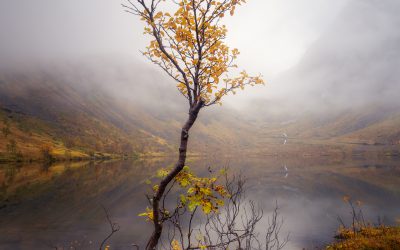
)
(353, 62)
(309, 51)
(272, 34)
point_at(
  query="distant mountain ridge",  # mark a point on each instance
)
(81, 117)
(342, 97)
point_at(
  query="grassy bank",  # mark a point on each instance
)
(363, 235)
(61, 156)
(368, 238)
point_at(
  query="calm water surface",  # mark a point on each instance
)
(60, 205)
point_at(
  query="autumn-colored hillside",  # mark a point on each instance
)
(108, 109)
(75, 111)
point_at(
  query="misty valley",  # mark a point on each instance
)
(200, 125)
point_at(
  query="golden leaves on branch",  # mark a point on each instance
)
(175, 245)
(188, 44)
(148, 214)
(202, 192)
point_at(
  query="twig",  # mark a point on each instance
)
(113, 226)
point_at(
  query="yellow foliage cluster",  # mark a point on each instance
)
(148, 214)
(175, 245)
(189, 46)
(201, 192)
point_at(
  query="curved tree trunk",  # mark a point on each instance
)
(158, 227)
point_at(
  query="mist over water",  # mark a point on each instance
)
(60, 205)
(331, 67)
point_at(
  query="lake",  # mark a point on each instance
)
(44, 206)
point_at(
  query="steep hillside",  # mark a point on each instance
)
(79, 109)
(106, 109)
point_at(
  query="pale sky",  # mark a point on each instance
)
(339, 52)
(271, 34)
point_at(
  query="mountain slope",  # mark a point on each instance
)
(104, 107)
(346, 87)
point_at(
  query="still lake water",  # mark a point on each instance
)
(60, 205)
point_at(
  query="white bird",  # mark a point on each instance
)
(286, 169)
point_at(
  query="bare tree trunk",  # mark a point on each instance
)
(158, 227)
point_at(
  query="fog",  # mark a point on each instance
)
(275, 33)
(354, 64)
(320, 59)
(55, 29)
(315, 55)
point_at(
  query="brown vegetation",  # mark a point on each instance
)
(362, 235)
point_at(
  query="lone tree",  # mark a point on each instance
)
(189, 46)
